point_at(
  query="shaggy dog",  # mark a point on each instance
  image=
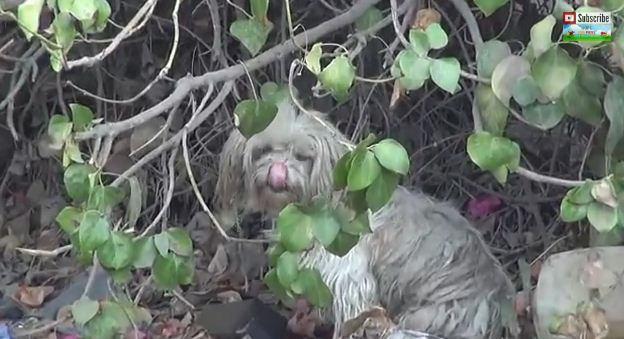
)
(423, 262)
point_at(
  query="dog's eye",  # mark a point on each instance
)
(260, 151)
(302, 157)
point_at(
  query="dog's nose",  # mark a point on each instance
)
(278, 176)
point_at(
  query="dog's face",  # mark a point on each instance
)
(279, 165)
(290, 161)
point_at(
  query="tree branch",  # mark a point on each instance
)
(189, 83)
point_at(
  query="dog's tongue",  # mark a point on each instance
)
(278, 175)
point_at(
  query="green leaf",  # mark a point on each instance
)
(144, 253)
(84, 309)
(581, 104)
(541, 35)
(104, 198)
(415, 69)
(76, 181)
(392, 156)
(65, 6)
(545, 116)
(314, 289)
(273, 283)
(83, 10)
(614, 109)
(161, 242)
(560, 7)
(371, 17)
(364, 170)
(272, 93)
(493, 113)
(325, 225)
(295, 228)
(135, 202)
(500, 174)
(28, 17)
(581, 195)
(253, 116)
(359, 225)
(506, 74)
(55, 60)
(419, 42)
(180, 242)
(313, 58)
(341, 171)
(490, 152)
(591, 77)
(274, 252)
(436, 36)
(117, 252)
(553, 71)
(380, 191)
(525, 91)
(251, 33)
(82, 116)
(287, 268)
(489, 55)
(64, 31)
(165, 271)
(103, 13)
(612, 5)
(570, 212)
(357, 200)
(343, 243)
(59, 128)
(603, 217)
(69, 218)
(259, 9)
(185, 270)
(488, 7)
(445, 73)
(71, 152)
(338, 77)
(122, 276)
(94, 231)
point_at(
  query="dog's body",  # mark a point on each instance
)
(423, 262)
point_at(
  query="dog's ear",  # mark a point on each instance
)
(230, 183)
(330, 146)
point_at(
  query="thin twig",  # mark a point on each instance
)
(161, 74)
(189, 83)
(168, 196)
(133, 25)
(202, 202)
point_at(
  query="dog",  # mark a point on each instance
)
(423, 262)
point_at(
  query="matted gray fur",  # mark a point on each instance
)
(423, 262)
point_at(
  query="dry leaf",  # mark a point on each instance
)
(353, 325)
(48, 240)
(397, 93)
(32, 296)
(141, 139)
(8, 244)
(594, 275)
(426, 17)
(603, 192)
(303, 322)
(36, 192)
(219, 262)
(521, 303)
(596, 320)
(572, 327)
(228, 297)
